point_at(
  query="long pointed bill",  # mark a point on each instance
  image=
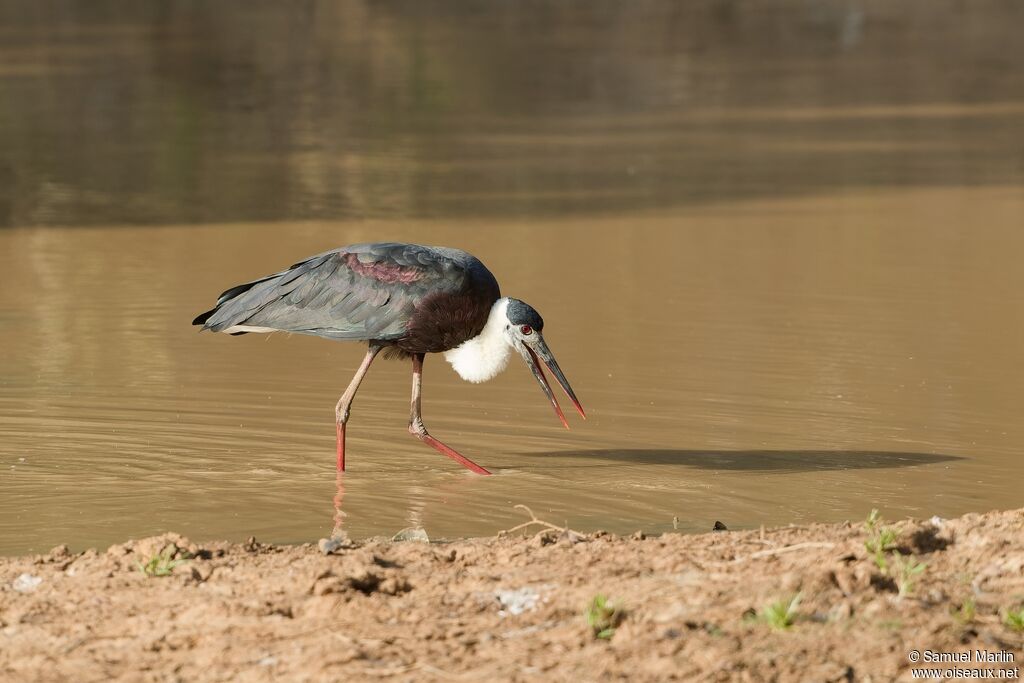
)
(540, 352)
(531, 360)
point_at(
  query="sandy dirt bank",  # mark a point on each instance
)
(819, 603)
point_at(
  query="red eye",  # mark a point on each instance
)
(526, 330)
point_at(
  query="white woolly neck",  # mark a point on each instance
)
(485, 355)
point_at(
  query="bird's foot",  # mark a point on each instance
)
(420, 432)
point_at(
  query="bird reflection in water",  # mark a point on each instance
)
(418, 497)
(338, 532)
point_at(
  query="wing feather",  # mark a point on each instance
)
(364, 291)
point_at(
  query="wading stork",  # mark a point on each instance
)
(406, 299)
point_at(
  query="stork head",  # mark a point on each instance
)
(524, 332)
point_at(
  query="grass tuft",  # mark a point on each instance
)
(603, 616)
(161, 564)
(781, 614)
(904, 572)
(1014, 619)
(966, 612)
(881, 546)
(880, 540)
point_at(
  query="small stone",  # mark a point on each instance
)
(334, 545)
(415, 534)
(517, 601)
(719, 526)
(26, 583)
(542, 539)
(569, 538)
(60, 552)
(638, 535)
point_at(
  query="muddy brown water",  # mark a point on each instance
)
(778, 304)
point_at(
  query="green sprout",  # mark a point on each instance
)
(781, 614)
(1014, 618)
(881, 545)
(160, 564)
(904, 572)
(880, 539)
(603, 616)
(966, 613)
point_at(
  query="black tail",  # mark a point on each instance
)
(238, 290)
(203, 317)
(226, 297)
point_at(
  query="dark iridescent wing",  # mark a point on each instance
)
(363, 291)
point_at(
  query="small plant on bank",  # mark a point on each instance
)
(966, 613)
(904, 572)
(160, 564)
(1014, 618)
(881, 546)
(603, 616)
(781, 614)
(880, 540)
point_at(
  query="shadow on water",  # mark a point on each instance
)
(759, 460)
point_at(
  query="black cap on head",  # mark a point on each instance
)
(522, 313)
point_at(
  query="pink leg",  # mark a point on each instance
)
(341, 410)
(339, 428)
(417, 429)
